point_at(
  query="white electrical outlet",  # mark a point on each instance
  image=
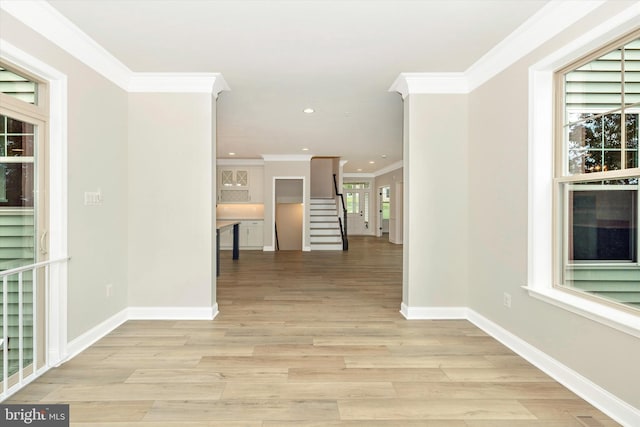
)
(506, 300)
(109, 289)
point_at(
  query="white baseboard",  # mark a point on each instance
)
(85, 340)
(614, 407)
(94, 334)
(427, 313)
(172, 313)
(268, 249)
(306, 249)
(606, 402)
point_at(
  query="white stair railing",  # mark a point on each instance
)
(14, 379)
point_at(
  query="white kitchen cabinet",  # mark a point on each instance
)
(250, 235)
(255, 236)
(240, 184)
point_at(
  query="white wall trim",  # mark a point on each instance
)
(305, 225)
(358, 175)
(600, 398)
(423, 83)
(287, 157)
(549, 21)
(212, 83)
(614, 407)
(392, 167)
(540, 277)
(268, 249)
(429, 313)
(172, 313)
(58, 209)
(239, 162)
(607, 315)
(44, 19)
(93, 335)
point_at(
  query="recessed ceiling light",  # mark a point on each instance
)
(308, 110)
(359, 170)
(305, 149)
(384, 156)
(371, 162)
(232, 154)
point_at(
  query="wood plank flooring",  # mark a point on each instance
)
(308, 339)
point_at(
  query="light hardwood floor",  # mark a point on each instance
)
(308, 339)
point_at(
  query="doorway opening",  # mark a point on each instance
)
(357, 200)
(289, 214)
(384, 210)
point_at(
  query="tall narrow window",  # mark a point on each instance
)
(23, 218)
(596, 177)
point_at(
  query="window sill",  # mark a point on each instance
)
(609, 316)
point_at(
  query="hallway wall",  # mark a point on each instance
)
(97, 160)
(498, 225)
(170, 200)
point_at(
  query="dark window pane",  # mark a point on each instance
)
(604, 226)
(20, 146)
(632, 130)
(593, 161)
(18, 184)
(611, 160)
(18, 126)
(612, 132)
(632, 159)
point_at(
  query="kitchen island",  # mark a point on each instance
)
(223, 225)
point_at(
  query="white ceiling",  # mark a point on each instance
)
(278, 57)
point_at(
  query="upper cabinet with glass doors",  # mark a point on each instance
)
(242, 184)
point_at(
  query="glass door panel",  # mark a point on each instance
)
(19, 138)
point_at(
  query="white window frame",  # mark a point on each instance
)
(58, 193)
(543, 243)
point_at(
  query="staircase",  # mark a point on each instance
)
(325, 231)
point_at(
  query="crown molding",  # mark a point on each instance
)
(287, 157)
(44, 19)
(178, 82)
(358, 175)
(423, 83)
(240, 162)
(393, 166)
(549, 21)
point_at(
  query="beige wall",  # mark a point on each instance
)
(97, 159)
(498, 181)
(289, 220)
(289, 191)
(170, 200)
(322, 177)
(435, 233)
(282, 169)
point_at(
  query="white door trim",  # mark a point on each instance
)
(58, 216)
(305, 245)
